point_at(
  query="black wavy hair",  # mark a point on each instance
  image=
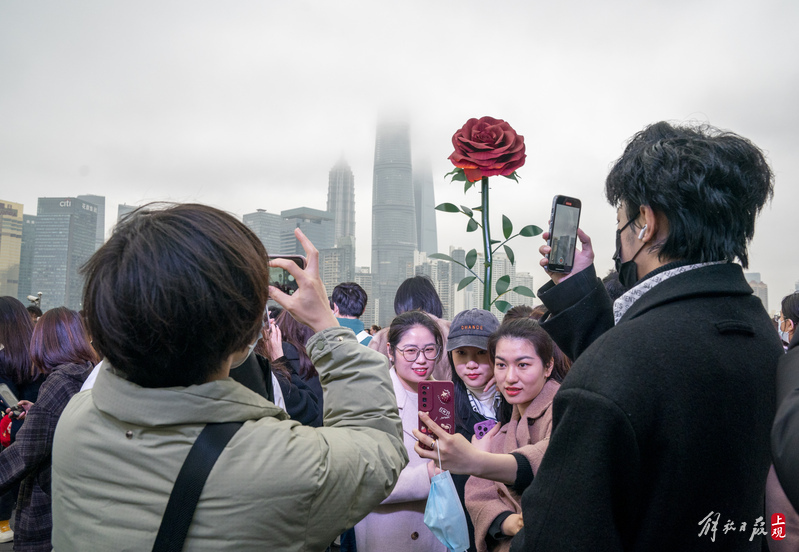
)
(710, 185)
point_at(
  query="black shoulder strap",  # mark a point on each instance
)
(189, 484)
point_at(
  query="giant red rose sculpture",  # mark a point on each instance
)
(487, 147)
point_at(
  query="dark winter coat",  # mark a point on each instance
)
(663, 421)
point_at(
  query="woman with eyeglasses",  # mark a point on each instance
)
(414, 345)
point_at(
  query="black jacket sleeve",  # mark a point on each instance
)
(302, 404)
(580, 310)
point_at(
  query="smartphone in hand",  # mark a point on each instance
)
(564, 219)
(280, 278)
(436, 398)
(481, 428)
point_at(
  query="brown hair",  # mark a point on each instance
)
(16, 328)
(174, 292)
(59, 338)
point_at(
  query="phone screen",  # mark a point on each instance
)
(563, 233)
(281, 279)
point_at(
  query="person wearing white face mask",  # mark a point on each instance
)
(789, 317)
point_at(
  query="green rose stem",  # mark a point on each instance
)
(486, 248)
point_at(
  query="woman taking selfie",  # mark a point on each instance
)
(414, 344)
(503, 462)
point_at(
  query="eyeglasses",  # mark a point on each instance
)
(410, 354)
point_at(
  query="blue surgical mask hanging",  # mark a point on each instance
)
(444, 514)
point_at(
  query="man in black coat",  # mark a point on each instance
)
(660, 436)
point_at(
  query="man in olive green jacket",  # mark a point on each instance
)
(277, 485)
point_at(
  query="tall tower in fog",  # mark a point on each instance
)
(393, 215)
(426, 235)
(341, 200)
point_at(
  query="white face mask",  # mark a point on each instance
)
(785, 336)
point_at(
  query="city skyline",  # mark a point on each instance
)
(250, 105)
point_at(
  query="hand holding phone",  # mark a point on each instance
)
(309, 303)
(564, 220)
(436, 399)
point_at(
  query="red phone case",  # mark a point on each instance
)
(437, 399)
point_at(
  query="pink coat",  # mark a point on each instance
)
(486, 499)
(397, 525)
(442, 370)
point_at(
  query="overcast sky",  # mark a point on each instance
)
(248, 104)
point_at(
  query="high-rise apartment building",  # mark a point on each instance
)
(26, 258)
(315, 224)
(425, 202)
(66, 230)
(99, 202)
(268, 227)
(363, 277)
(393, 214)
(337, 265)
(10, 246)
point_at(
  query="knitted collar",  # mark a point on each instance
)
(623, 303)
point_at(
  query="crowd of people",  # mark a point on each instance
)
(644, 411)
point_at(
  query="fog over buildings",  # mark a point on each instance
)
(250, 105)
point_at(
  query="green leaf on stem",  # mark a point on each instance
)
(467, 185)
(442, 257)
(503, 284)
(465, 282)
(472, 225)
(530, 230)
(448, 208)
(471, 258)
(509, 253)
(513, 176)
(524, 290)
(466, 211)
(502, 306)
(507, 227)
(457, 175)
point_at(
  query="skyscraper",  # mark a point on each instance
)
(393, 214)
(315, 224)
(26, 258)
(66, 230)
(268, 228)
(99, 202)
(341, 207)
(10, 246)
(341, 200)
(424, 198)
